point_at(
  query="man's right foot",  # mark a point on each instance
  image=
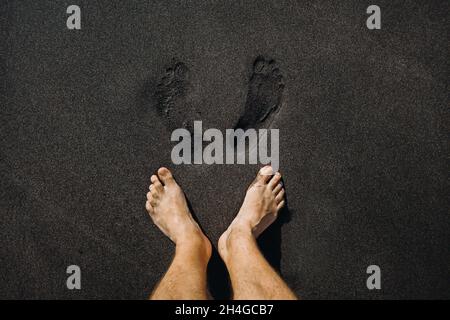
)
(264, 199)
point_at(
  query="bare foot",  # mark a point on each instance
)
(264, 198)
(168, 209)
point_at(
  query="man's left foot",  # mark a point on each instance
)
(167, 206)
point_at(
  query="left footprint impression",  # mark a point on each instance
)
(173, 98)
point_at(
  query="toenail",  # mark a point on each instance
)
(266, 170)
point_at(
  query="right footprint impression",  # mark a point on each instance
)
(264, 95)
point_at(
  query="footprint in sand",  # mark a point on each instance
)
(172, 96)
(264, 95)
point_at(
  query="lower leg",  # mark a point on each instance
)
(186, 277)
(167, 206)
(251, 275)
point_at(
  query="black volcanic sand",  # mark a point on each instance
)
(363, 141)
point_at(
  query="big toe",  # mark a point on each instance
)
(165, 176)
(264, 174)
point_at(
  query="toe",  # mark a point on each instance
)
(280, 196)
(276, 178)
(264, 175)
(166, 176)
(280, 205)
(148, 207)
(156, 183)
(153, 201)
(277, 188)
(155, 193)
(151, 198)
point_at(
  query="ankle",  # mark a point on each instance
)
(241, 227)
(237, 237)
(194, 244)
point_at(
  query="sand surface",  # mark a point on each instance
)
(363, 141)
